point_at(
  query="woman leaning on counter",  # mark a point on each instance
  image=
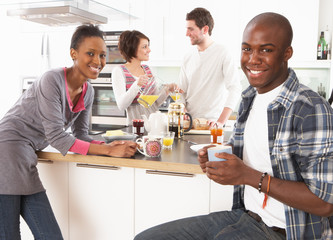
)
(129, 78)
(60, 99)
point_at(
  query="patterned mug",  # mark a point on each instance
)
(151, 146)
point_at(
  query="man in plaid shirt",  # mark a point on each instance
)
(282, 161)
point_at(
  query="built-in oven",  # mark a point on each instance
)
(113, 55)
(105, 114)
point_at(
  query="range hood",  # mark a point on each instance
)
(65, 12)
(58, 15)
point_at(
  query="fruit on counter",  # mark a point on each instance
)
(200, 124)
(114, 133)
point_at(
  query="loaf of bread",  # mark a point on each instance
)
(200, 124)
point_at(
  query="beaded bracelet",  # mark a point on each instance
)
(261, 179)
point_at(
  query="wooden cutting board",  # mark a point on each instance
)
(198, 132)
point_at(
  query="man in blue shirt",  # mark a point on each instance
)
(282, 161)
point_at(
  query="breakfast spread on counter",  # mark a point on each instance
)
(200, 124)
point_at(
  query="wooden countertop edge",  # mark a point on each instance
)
(122, 162)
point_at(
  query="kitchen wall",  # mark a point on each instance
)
(10, 52)
(164, 23)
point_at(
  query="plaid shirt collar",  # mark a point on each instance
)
(286, 96)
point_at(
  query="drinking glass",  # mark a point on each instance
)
(175, 95)
(168, 140)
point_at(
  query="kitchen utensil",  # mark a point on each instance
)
(151, 146)
(151, 92)
(157, 124)
(176, 113)
(218, 149)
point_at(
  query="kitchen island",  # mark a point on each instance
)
(101, 197)
(180, 159)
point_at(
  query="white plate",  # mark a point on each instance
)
(197, 147)
(127, 136)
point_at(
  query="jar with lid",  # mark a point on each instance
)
(138, 127)
(216, 134)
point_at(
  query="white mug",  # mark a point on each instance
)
(151, 146)
(218, 149)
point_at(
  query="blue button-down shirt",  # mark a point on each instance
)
(300, 131)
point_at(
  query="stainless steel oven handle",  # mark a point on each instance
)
(101, 85)
(111, 43)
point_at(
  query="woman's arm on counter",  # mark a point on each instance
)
(114, 149)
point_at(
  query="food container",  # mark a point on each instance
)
(138, 127)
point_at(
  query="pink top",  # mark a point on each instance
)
(79, 146)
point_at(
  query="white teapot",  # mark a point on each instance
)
(157, 123)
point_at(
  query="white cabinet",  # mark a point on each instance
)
(164, 196)
(166, 27)
(220, 197)
(54, 176)
(101, 202)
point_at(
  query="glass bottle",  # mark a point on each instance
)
(321, 51)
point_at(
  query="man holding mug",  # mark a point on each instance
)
(282, 161)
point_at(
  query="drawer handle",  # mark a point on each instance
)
(40, 160)
(177, 174)
(97, 166)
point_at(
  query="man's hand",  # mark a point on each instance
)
(233, 171)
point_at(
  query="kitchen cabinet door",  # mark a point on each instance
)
(220, 197)
(101, 202)
(163, 196)
(54, 176)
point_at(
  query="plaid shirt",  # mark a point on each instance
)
(300, 129)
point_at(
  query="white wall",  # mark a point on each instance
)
(163, 21)
(21, 54)
(9, 62)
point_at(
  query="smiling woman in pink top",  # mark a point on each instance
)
(60, 99)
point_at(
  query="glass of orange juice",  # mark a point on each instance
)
(175, 96)
(168, 140)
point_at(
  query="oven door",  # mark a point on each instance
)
(104, 109)
(113, 55)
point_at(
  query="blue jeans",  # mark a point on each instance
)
(226, 225)
(35, 210)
